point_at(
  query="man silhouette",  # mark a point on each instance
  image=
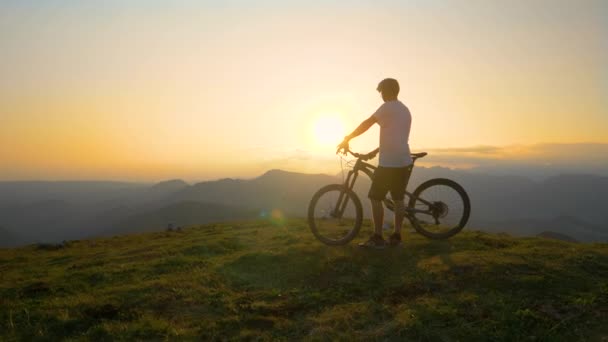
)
(394, 166)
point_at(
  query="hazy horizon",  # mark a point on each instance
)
(538, 161)
(150, 91)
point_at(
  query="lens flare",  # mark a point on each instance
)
(277, 217)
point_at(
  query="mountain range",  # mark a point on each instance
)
(571, 204)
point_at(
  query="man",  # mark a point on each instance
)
(394, 166)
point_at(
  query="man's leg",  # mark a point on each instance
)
(398, 193)
(399, 214)
(378, 216)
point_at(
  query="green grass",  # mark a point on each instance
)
(260, 281)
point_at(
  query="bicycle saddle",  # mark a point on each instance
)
(418, 155)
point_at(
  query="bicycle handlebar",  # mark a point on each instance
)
(354, 154)
(360, 156)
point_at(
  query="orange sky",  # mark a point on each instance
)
(148, 91)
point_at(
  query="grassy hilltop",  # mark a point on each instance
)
(257, 280)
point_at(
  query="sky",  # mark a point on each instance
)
(152, 90)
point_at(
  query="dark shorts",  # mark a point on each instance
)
(393, 179)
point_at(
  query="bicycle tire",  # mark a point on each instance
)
(357, 222)
(466, 204)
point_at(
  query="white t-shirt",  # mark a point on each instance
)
(395, 122)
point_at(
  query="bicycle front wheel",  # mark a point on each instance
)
(439, 208)
(335, 215)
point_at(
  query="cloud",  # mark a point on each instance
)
(596, 153)
(537, 159)
(469, 150)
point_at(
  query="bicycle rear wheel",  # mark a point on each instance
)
(439, 208)
(335, 215)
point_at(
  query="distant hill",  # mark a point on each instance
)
(169, 186)
(180, 214)
(8, 238)
(556, 236)
(20, 193)
(256, 280)
(276, 189)
(564, 225)
(54, 211)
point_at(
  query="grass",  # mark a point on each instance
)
(255, 280)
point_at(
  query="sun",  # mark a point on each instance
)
(328, 130)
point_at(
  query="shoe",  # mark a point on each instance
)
(375, 241)
(394, 240)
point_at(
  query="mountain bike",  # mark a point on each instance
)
(438, 209)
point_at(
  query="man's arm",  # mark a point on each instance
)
(363, 127)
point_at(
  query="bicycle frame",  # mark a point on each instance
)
(368, 169)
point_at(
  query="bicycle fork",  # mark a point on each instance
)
(343, 198)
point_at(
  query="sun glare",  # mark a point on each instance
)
(328, 130)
